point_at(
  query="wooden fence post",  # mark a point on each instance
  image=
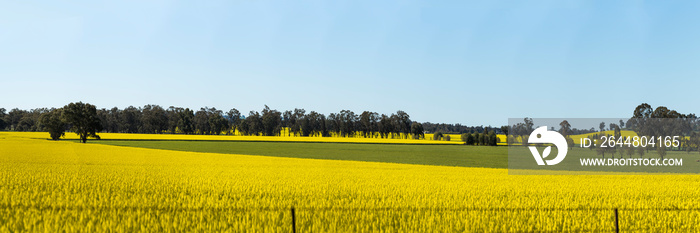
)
(294, 221)
(617, 224)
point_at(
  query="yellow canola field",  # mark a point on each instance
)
(57, 186)
(458, 138)
(577, 138)
(130, 136)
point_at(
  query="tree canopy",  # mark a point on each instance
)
(52, 122)
(83, 120)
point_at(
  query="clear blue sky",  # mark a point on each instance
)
(475, 63)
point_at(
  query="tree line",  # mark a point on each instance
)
(458, 128)
(155, 119)
(481, 139)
